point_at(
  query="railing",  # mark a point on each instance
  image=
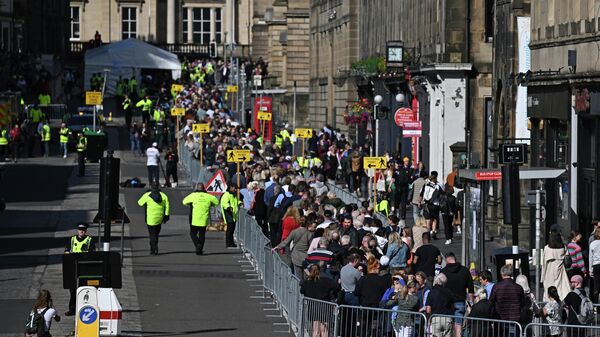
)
(349, 198)
(541, 330)
(52, 111)
(276, 276)
(188, 49)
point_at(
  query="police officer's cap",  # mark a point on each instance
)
(82, 226)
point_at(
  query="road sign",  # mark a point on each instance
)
(404, 115)
(177, 112)
(238, 156)
(201, 128)
(375, 162)
(232, 88)
(93, 98)
(412, 129)
(488, 175)
(264, 116)
(513, 153)
(303, 133)
(177, 88)
(88, 323)
(257, 79)
(217, 184)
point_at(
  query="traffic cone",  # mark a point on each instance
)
(110, 116)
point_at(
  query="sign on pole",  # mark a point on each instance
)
(303, 133)
(257, 80)
(177, 112)
(177, 88)
(88, 321)
(93, 98)
(232, 88)
(201, 128)
(404, 115)
(238, 156)
(412, 129)
(265, 116)
(378, 163)
(217, 185)
(513, 153)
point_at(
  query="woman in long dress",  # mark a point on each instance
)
(553, 268)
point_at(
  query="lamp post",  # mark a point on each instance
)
(377, 99)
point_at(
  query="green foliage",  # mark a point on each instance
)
(370, 65)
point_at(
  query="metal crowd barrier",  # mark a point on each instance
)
(563, 330)
(349, 198)
(276, 275)
(319, 318)
(198, 174)
(53, 111)
(442, 325)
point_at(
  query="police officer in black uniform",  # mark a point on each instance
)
(79, 243)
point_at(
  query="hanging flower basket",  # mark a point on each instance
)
(358, 113)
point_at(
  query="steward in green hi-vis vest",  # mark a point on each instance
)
(200, 203)
(80, 243)
(157, 213)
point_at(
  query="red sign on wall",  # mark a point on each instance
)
(404, 115)
(488, 175)
(264, 127)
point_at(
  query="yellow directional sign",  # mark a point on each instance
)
(264, 116)
(177, 112)
(88, 321)
(93, 98)
(303, 133)
(238, 156)
(232, 88)
(177, 88)
(201, 128)
(378, 163)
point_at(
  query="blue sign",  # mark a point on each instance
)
(88, 315)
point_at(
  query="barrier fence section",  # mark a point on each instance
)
(52, 111)
(276, 275)
(541, 330)
(349, 198)
(442, 325)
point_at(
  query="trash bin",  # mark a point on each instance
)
(520, 261)
(96, 144)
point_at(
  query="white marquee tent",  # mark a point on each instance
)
(126, 59)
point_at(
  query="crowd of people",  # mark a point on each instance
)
(342, 252)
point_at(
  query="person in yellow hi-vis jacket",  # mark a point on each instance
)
(229, 210)
(157, 213)
(200, 203)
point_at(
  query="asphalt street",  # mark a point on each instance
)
(176, 293)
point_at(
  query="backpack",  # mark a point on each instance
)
(35, 326)
(586, 309)
(431, 192)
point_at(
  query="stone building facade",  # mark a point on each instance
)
(334, 46)
(280, 36)
(162, 21)
(563, 107)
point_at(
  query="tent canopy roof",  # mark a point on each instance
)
(132, 53)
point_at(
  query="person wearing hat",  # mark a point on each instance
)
(152, 162)
(78, 243)
(200, 203)
(157, 213)
(229, 210)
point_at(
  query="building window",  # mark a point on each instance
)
(201, 23)
(129, 22)
(218, 25)
(489, 20)
(185, 24)
(75, 23)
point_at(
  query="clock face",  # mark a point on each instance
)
(394, 54)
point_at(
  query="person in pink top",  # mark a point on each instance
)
(574, 249)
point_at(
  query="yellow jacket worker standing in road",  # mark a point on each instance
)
(79, 243)
(200, 203)
(157, 213)
(229, 210)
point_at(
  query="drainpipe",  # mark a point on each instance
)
(468, 84)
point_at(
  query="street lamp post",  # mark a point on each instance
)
(377, 99)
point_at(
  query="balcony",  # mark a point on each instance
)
(78, 48)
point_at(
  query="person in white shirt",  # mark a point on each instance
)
(43, 305)
(594, 263)
(152, 163)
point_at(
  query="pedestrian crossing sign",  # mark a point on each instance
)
(264, 116)
(303, 133)
(378, 163)
(93, 98)
(238, 156)
(177, 112)
(201, 128)
(217, 184)
(177, 88)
